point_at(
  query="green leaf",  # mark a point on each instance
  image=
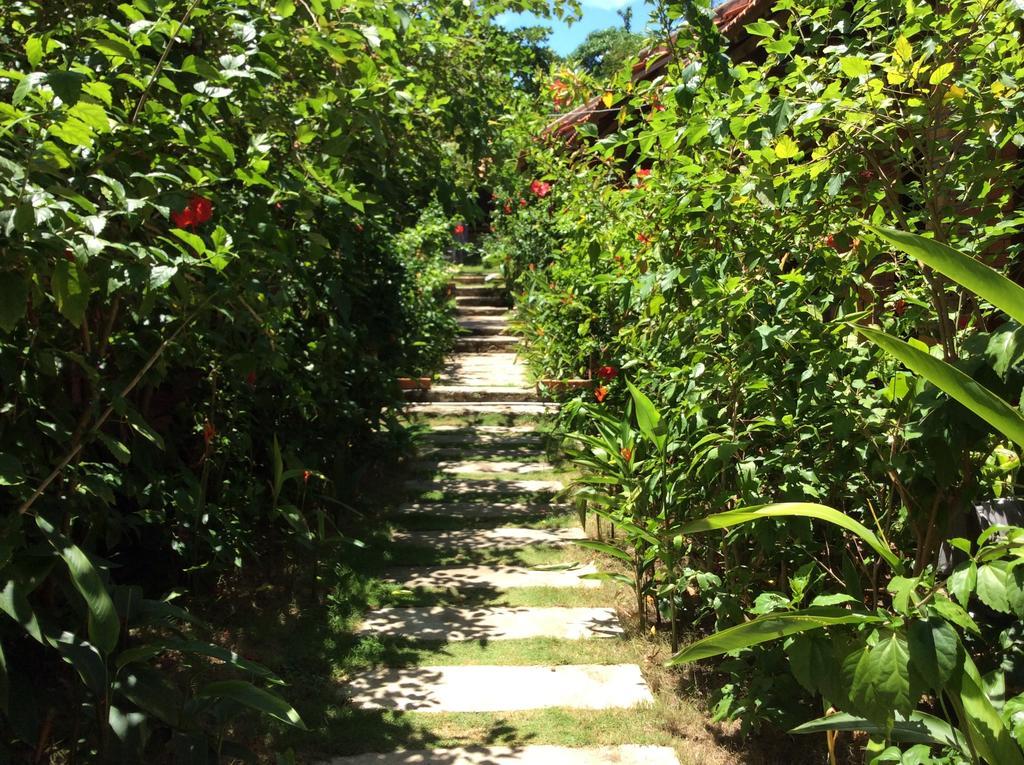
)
(647, 417)
(962, 581)
(989, 736)
(881, 679)
(963, 269)
(854, 66)
(761, 29)
(249, 695)
(992, 585)
(70, 290)
(792, 509)
(770, 627)
(34, 50)
(952, 381)
(104, 625)
(916, 728)
(607, 549)
(933, 647)
(285, 8)
(786, 148)
(11, 471)
(940, 73)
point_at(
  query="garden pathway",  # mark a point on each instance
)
(482, 474)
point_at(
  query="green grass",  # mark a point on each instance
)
(375, 651)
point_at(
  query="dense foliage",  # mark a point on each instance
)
(714, 249)
(222, 231)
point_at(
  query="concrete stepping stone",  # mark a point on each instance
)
(504, 538)
(477, 300)
(521, 755)
(481, 310)
(490, 577)
(453, 625)
(499, 688)
(479, 510)
(485, 486)
(484, 466)
(473, 343)
(479, 393)
(471, 408)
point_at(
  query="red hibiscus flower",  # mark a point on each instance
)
(522, 203)
(197, 211)
(607, 372)
(830, 241)
(643, 238)
(600, 393)
(627, 453)
(184, 219)
(540, 188)
(643, 172)
(459, 229)
(508, 209)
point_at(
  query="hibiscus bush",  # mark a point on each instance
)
(714, 247)
(223, 229)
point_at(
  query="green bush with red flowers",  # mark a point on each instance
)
(714, 247)
(222, 238)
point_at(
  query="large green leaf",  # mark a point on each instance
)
(647, 417)
(250, 696)
(104, 625)
(792, 509)
(963, 269)
(951, 380)
(989, 736)
(882, 679)
(770, 627)
(607, 549)
(916, 728)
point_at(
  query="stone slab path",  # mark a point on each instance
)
(526, 755)
(494, 623)
(478, 468)
(499, 689)
(504, 538)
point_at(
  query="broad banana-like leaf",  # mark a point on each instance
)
(769, 627)
(794, 509)
(990, 737)
(104, 624)
(917, 728)
(979, 399)
(249, 695)
(963, 269)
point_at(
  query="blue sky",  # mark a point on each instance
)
(597, 14)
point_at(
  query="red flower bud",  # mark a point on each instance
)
(627, 453)
(607, 372)
(600, 393)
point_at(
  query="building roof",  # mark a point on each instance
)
(730, 17)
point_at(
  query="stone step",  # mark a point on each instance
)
(462, 467)
(484, 327)
(501, 486)
(479, 510)
(468, 310)
(471, 408)
(477, 343)
(626, 754)
(494, 301)
(490, 577)
(493, 287)
(479, 393)
(452, 625)
(505, 538)
(481, 435)
(511, 451)
(470, 278)
(499, 689)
